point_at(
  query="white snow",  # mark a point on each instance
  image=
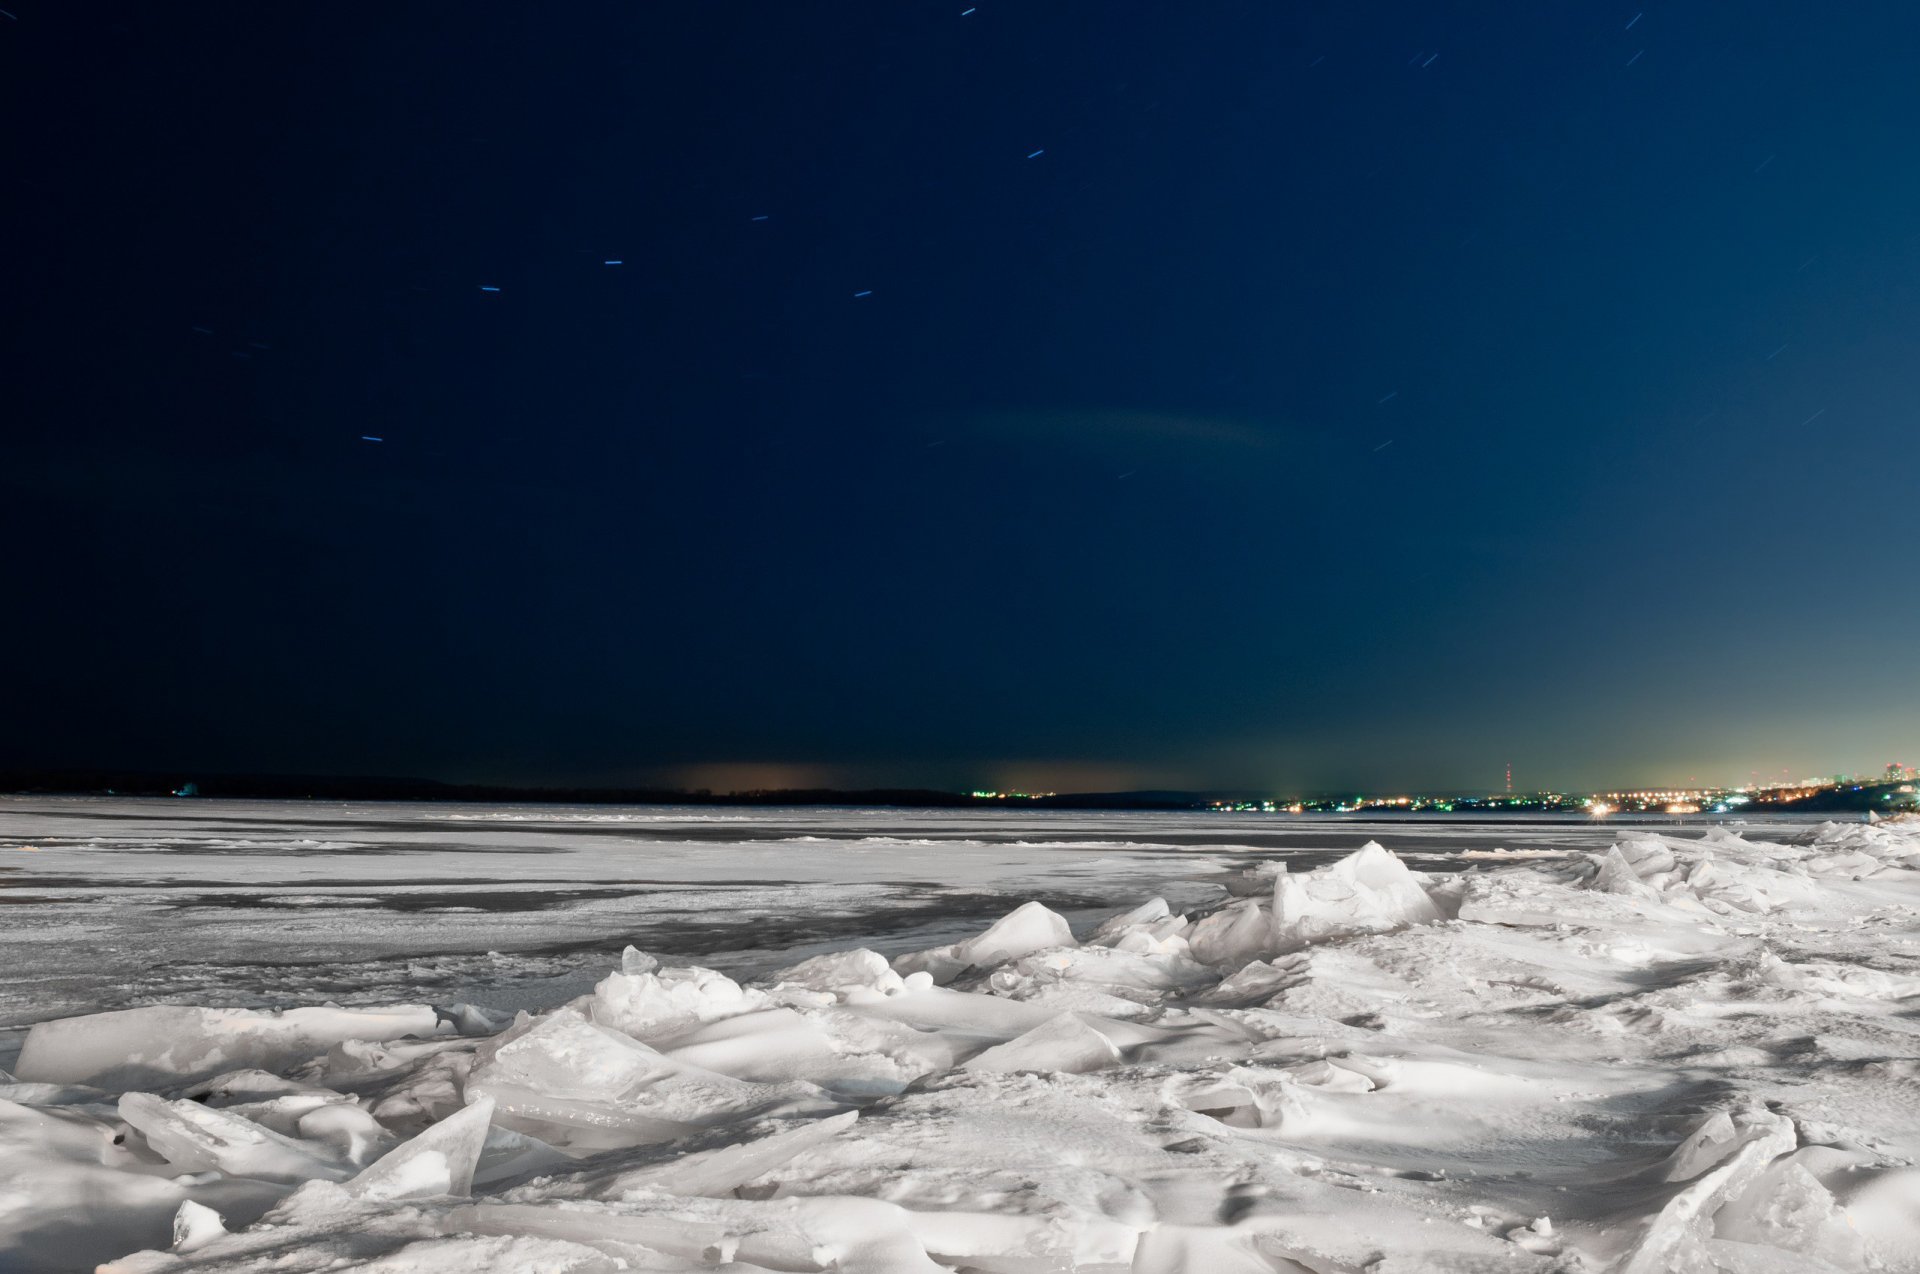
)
(1651, 1050)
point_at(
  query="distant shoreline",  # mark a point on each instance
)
(276, 787)
(258, 787)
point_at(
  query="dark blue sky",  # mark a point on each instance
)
(1348, 394)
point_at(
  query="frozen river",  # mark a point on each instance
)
(117, 902)
(1116, 1044)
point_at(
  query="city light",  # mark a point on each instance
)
(1892, 789)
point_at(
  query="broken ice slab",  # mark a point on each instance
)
(582, 1087)
(195, 1225)
(1063, 1045)
(439, 1161)
(1671, 1235)
(196, 1138)
(165, 1046)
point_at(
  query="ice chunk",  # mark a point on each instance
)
(1065, 1044)
(1882, 1210)
(1787, 1208)
(1089, 1001)
(843, 971)
(195, 1225)
(767, 1046)
(77, 1188)
(162, 1045)
(283, 1114)
(959, 1012)
(578, 1085)
(1233, 936)
(1255, 881)
(1617, 876)
(53, 1094)
(353, 1132)
(654, 1006)
(1110, 969)
(439, 1161)
(196, 1138)
(840, 1050)
(872, 1043)
(938, 966)
(1681, 1228)
(1255, 982)
(1712, 1141)
(1147, 913)
(1331, 1077)
(1368, 891)
(232, 1088)
(1254, 1097)
(512, 1155)
(1162, 937)
(356, 1062)
(1026, 929)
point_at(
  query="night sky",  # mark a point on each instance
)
(1063, 395)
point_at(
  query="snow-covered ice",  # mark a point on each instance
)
(1634, 1048)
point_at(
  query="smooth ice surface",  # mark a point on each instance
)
(1635, 1049)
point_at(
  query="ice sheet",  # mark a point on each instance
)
(1685, 1049)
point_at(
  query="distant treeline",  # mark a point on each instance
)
(296, 787)
(1882, 798)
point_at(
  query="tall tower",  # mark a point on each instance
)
(1509, 778)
